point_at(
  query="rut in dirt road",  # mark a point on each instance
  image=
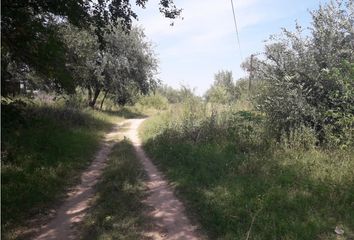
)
(76, 205)
(168, 213)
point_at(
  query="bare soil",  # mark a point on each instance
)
(166, 211)
(74, 208)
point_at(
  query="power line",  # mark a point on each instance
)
(236, 28)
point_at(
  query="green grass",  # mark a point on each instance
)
(117, 208)
(44, 148)
(235, 188)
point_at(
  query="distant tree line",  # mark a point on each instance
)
(176, 95)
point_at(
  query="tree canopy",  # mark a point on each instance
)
(30, 38)
(126, 66)
(223, 89)
(310, 77)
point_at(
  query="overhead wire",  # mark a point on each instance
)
(236, 28)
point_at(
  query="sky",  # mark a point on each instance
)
(203, 41)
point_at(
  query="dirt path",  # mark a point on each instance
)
(167, 212)
(75, 206)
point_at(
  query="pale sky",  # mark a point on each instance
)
(204, 42)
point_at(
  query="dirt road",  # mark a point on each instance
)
(76, 205)
(166, 211)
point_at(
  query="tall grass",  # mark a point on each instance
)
(243, 184)
(44, 147)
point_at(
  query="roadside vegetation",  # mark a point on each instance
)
(47, 140)
(274, 158)
(237, 181)
(44, 147)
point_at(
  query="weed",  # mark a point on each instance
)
(240, 184)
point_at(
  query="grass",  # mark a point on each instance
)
(117, 208)
(239, 187)
(44, 148)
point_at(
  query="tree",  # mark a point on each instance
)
(223, 89)
(309, 78)
(30, 37)
(172, 95)
(139, 64)
(126, 67)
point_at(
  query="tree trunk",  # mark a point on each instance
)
(89, 95)
(104, 97)
(95, 96)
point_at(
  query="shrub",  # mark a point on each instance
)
(301, 138)
(155, 101)
(309, 80)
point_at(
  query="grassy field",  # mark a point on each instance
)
(44, 148)
(241, 186)
(117, 208)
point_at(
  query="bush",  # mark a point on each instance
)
(301, 138)
(154, 101)
(309, 80)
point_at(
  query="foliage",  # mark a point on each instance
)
(197, 122)
(155, 101)
(176, 96)
(123, 70)
(223, 89)
(340, 117)
(131, 65)
(309, 80)
(30, 41)
(30, 37)
(85, 56)
(173, 95)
